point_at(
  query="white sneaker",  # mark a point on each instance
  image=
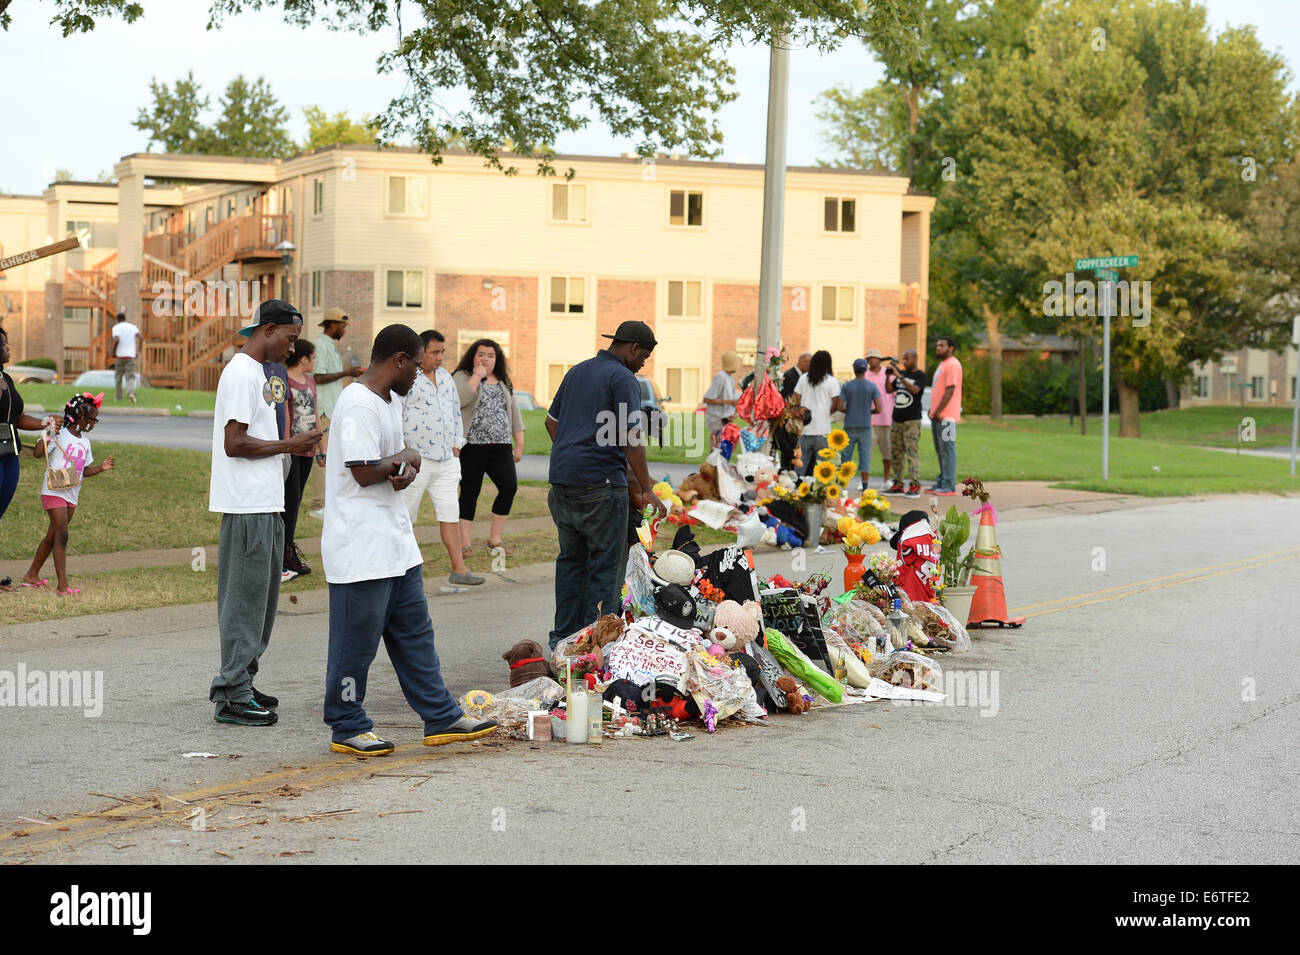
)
(287, 575)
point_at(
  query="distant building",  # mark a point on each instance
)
(542, 265)
(1266, 378)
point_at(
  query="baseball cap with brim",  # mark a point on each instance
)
(273, 312)
(638, 333)
(334, 315)
(860, 365)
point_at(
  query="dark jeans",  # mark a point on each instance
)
(395, 609)
(497, 461)
(9, 469)
(299, 472)
(592, 524)
(944, 432)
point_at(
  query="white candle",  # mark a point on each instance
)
(577, 721)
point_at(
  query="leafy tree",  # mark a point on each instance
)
(325, 131)
(252, 122)
(174, 119)
(535, 69)
(64, 175)
(1119, 129)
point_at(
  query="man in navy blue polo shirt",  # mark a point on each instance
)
(596, 429)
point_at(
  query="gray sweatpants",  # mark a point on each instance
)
(249, 562)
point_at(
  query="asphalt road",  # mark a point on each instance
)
(1151, 719)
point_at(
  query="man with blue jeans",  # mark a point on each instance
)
(945, 414)
(861, 399)
(372, 562)
(596, 432)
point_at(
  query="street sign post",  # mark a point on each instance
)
(1295, 391)
(22, 258)
(1102, 266)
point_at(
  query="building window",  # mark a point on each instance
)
(1256, 387)
(315, 289)
(555, 372)
(840, 215)
(405, 289)
(837, 303)
(568, 294)
(685, 299)
(78, 229)
(684, 385)
(568, 202)
(685, 207)
(407, 195)
(317, 196)
(1202, 386)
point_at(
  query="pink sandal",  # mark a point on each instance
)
(43, 582)
(70, 592)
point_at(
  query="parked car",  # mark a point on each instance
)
(30, 374)
(652, 405)
(526, 402)
(103, 378)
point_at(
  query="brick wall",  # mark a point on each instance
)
(510, 306)
(880, 322)
(354, 292)
(624, 300)
(735, 316)
(25, 325)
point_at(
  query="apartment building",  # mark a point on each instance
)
(542, 265)
(1263, 377)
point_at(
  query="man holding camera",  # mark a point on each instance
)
(906, 384)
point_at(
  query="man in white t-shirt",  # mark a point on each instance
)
(126, 351)
(820, 394)
(372, 562)
(247, 490)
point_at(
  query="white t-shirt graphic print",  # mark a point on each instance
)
(67, 450)
(368, 534)
(245, 485)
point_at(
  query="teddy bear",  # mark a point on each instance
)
(527, 662)
(738, 623)
(794, 701)
(703, 485)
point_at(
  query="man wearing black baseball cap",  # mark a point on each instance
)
(597, 433)
(247, 490)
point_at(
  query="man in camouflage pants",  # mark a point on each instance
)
(907, 385)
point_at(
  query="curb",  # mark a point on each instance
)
(202, 414)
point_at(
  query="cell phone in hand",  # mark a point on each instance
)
(401, 470)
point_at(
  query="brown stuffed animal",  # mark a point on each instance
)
(794, 701)
(703, 485)
(605, 630)
(527, 662)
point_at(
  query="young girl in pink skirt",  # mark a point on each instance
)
(70, 448)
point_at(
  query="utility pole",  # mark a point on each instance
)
(769, 280)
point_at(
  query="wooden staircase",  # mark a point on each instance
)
(95, 289)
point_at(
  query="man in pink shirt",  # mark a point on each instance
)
(945, 413)
(883, 422)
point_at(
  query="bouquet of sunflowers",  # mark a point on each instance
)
(857, 534)
(874, 507)
(829, 476)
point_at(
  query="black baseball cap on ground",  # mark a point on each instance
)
(272, 312)
(638, 333)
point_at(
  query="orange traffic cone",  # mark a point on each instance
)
(989, 605)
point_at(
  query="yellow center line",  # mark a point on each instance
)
(1173, 583)
(1294, 551)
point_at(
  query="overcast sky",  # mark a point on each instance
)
(70, 102)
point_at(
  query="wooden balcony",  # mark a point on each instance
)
(175, 258)
(909, 303)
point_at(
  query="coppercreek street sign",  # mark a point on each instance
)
(1106, 262)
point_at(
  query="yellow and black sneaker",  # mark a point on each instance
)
(463, 730)
(364, 744)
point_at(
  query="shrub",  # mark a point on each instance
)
(39, 363)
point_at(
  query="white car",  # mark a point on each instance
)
(103, 378)
(30, 374)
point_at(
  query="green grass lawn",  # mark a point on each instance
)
(53, 397)
(1210, 426)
